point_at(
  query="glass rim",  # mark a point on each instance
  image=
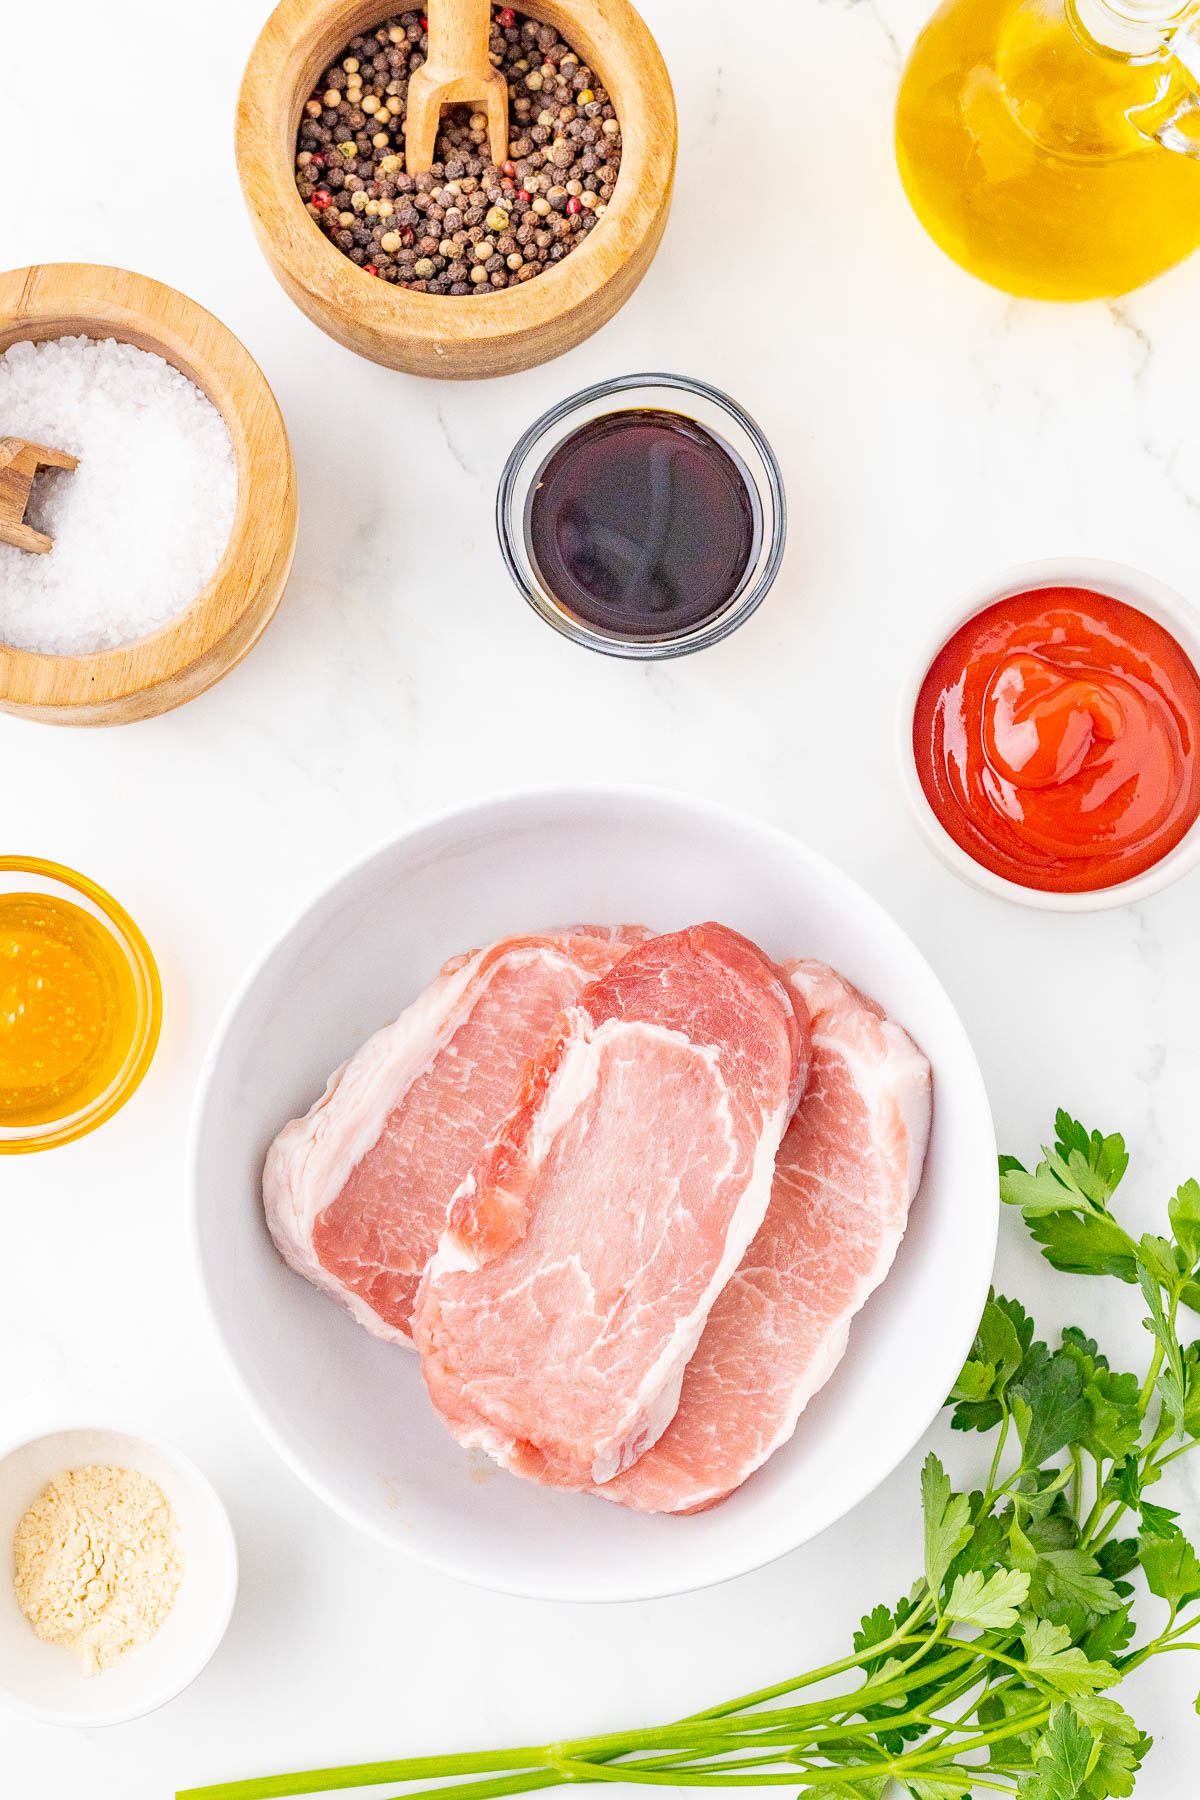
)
(742, 603)
(18, 1140)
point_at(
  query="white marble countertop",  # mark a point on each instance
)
(930, 431)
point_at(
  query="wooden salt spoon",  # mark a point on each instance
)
(19, 463)
(457, 69)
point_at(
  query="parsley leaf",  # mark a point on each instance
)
(1118, 1557)
(974, 1382)
(1062, 1756)
(1112, 1398)
(987, 1544)
(947, 1522)
(1184, 1212)
(992, 1602)
(1121, 1746)
(1106, 1157)
(870, 1787)
(1090, 1245)
(1001, 1342)
(1106, 1718)
(1172, 1377)
(876, 1627)
(1125, 1481)
(1116, 1421)
(1052, 1659)
(936, 1786)
(1081, 1172)
(1169, 1563)
(1065, 1202)
(1191, 1389)
(1110, 1636)
(1074, 1339)
(1048, 1404)
(1074, 1576)
(1161, 1257)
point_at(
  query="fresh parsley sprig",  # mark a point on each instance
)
(994, 1674)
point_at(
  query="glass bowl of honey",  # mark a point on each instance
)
(80, 1005)
(644, 517)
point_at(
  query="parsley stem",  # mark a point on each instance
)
(1174, 1638)
(1162, 1461)
(746, 1701)
(527, 1782)
(1098, 1504)
(1018, 1721)
(1107, 1526)
(324, 1781)
(1005, 1421)
(1011, 1728)
(1163, 1649)
(718, 1776)
(893, 1721)
(1151, 1378)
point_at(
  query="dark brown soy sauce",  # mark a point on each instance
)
(643, 524)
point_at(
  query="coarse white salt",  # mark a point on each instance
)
(141, 525)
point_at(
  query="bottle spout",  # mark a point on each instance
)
(1180, 129)
(1184, 45)
(1137, 28)
(1149, 31)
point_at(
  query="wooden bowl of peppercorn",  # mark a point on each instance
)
(579, 246)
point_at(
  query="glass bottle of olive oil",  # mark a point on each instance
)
(1052, 147)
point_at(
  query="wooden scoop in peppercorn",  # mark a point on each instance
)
(457, 70)
(19, 463)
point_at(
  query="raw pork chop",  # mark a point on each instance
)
(356, 1191)
(586, 1247)
(846, 1172)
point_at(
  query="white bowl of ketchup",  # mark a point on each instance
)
(1076, 761)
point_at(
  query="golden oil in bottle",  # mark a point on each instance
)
(68, 1008)
(1049, 146)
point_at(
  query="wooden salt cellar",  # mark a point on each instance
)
(457, 71)
(224, 621)
(19, 463)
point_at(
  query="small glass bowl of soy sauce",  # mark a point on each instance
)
(644, 517)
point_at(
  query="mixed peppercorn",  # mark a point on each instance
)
(466, 227)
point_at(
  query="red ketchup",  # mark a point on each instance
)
(1057, 738)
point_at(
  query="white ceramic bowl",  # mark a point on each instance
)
(1152, 597)
(348, 1412)
(44, 1681)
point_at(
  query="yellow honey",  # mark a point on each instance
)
(69, 1010)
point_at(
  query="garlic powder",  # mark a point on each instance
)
(97, 1563)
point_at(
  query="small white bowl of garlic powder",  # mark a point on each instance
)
(119, 1576)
